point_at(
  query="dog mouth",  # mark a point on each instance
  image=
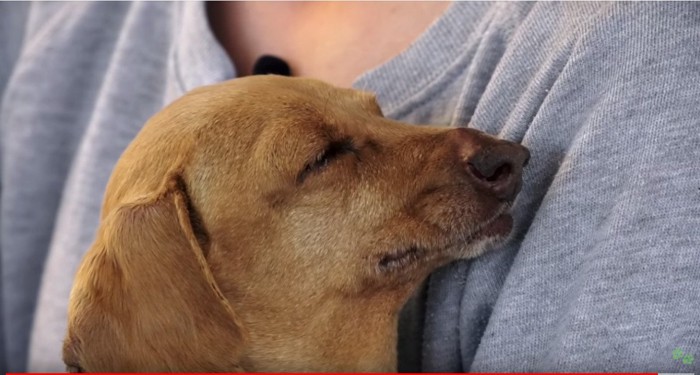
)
(500, 225)
(400, 258)
(497, 227)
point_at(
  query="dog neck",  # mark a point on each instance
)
(350, 338)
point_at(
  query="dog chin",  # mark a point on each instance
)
(494, 233)
(480, 247)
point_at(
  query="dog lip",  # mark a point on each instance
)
(498, 226)
(501, 225)
(400, 258)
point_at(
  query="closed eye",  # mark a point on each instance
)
(333, 151)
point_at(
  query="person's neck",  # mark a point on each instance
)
(333, 41)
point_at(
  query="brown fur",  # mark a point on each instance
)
(219, 250)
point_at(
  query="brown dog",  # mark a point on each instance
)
(279, 224)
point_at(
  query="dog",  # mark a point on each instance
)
(270, 224)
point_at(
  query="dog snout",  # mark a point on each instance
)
(493, 164)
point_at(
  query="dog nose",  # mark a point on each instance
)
(493, 164)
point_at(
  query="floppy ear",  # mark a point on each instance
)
(145, 298)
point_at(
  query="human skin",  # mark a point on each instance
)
(332, 41)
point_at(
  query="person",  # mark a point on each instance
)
(602, 270)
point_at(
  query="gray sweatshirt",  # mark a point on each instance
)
(603, 271)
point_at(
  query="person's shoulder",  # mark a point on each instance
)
(41, 29)
(644, 13)
(630, 20)
(70, 13)
(639, 25)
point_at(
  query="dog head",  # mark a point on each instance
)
(279, 224)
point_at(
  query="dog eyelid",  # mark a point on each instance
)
(332, 151)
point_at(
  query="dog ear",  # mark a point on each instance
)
(145, 298)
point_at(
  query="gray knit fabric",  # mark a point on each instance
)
(603, 271)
